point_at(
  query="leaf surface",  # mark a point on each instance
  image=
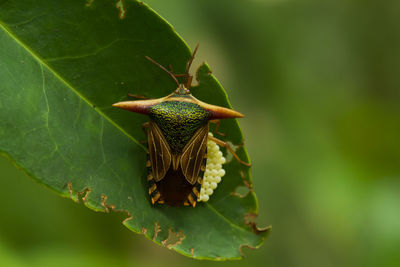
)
(62, 64)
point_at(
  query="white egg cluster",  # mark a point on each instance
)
(214, 171)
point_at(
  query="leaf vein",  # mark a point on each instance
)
(96, 52)
(27, 21)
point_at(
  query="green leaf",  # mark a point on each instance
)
(62, 64)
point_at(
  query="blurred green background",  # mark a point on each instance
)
(319, 83)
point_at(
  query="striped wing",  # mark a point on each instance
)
(159, 151)
(193, 154)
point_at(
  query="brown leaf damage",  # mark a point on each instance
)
(237, 194)
(173, 239)
(71, 195)
(120, 5)
(84, 195)
(246, 182)
(144, 231)
(157, 229)
(249, 220)
(107, 207)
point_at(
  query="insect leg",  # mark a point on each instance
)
(173, 73)
(153, 190)
(144, 126)
(177, 75)
(217, 124)
(192, 199)
(194, 195)
(227, 146)
(138, 96)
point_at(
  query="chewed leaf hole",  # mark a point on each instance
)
(241, 191)
(122, 10)
(173, 239)
(229, 156)
(89, 3)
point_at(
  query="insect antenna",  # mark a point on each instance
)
(163, 68)
(189, 63)
(188, 79)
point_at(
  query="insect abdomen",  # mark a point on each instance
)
(174, 189)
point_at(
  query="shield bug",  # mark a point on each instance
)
(177, 136)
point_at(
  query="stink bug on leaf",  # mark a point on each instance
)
(177, 137)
